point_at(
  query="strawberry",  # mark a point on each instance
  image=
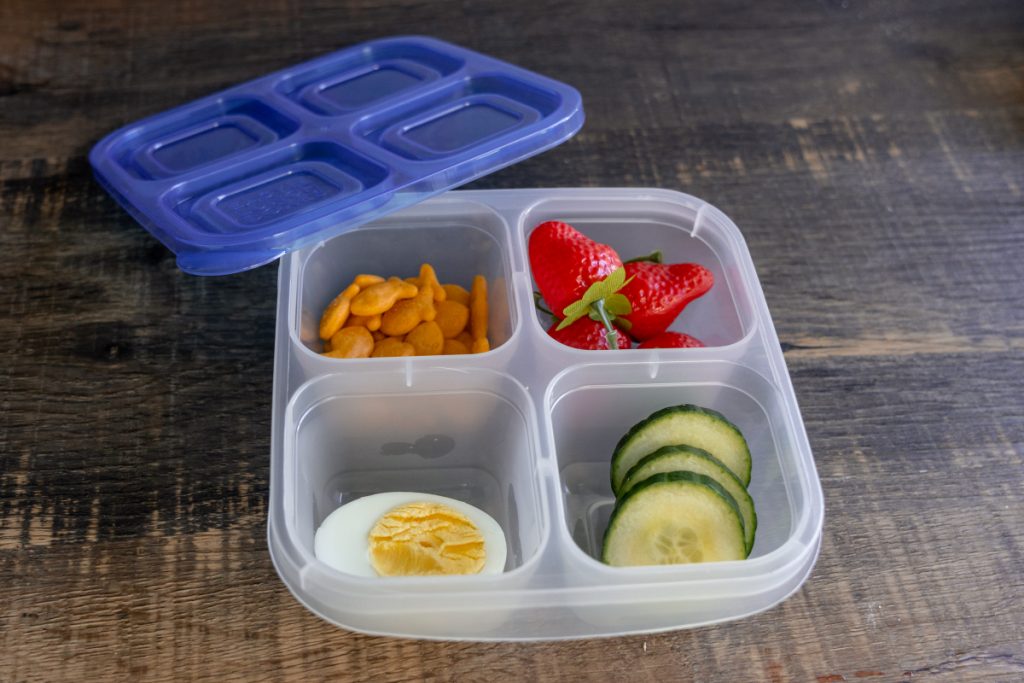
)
(587, 334)
(565, 262)
(659, 292)
(672, 340)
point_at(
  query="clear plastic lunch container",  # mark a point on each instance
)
(530, 425)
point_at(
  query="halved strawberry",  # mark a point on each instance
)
(565, 262)
(587, 334)
(659, 292)
(672, 340)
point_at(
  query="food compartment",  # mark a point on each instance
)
(478, 109)
(469, 436)
(200, 135)
(299, 184)
(593, 406)
(459, 239)
(353, 81)
(684, 231)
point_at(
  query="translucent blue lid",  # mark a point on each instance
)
(236, 179)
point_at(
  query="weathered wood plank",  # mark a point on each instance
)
(671, 63)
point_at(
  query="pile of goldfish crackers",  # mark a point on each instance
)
(418, 316)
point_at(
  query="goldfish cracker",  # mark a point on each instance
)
(480, 345)
(364, 280)
(401, 318)
(371, 322)
(425, 300)
(337, 312)
(456, 293)
(426, 338)
(379, 297)
(351, 342)
(452, 317)
(465, 337)
(407, 314)
(429, 277)
(392, 347)
(478, 308)
(335, 315)
(453, 347)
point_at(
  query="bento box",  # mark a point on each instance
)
(533, 424)
(341, 167)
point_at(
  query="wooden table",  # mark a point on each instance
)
(872, 154)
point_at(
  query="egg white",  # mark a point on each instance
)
(342, 540)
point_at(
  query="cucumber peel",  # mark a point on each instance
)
(687, 424)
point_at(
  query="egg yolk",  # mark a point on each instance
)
(422, 539)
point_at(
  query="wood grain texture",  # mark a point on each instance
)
(871, 153)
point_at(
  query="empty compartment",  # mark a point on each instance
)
(592, 407)
(301, 183)
(470, 436)
(455, 119)
(459, 239)
(200, 135)
(638, 226)
(337, 86)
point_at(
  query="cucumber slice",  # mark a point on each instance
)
(685, 424)
(674, 518)
(690, 459)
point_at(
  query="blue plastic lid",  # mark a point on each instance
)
(234, 180)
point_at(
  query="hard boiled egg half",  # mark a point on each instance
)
(410, 534)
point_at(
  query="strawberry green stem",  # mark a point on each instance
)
(536, 302)
(611, 335)
(654, 257)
